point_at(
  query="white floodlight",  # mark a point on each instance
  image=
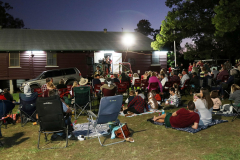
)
(128, 40)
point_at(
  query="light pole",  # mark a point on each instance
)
(175, 50)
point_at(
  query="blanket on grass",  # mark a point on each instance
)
(82, 129)
(134, 115)
(191, 130)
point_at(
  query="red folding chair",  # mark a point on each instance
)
(137, 83)
(97, 88)
(167, 86)
(225, 78)
(144, 86)
(108, 92)
(117, 83)
(69, 87)
(39, 91)
(144, 81)
(63, 92)
(127, 83)
(122, 88)
(153, 86)
(185, 86)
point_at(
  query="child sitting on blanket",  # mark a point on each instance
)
(216, 101)
(181, 118)
(151, 100)
(130, 98)
(173, 99)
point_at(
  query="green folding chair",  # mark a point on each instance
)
(82, 99)
(236, 107)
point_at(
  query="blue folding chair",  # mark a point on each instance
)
(27, 107)
(108, 112)
(6, 107)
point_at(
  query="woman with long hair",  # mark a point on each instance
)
(204, 107)
(235, 94)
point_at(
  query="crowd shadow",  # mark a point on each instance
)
(14, 140)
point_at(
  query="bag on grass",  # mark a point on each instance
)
(126, 131)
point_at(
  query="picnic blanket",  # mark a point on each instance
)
(134, 115)
(191, 130)
(225, 115)
(82, 129)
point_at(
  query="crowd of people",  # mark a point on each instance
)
(207, 85)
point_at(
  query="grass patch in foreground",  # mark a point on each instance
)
(151, 141)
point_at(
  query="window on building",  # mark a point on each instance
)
(51, 59)
(14, 60)
(155, 58)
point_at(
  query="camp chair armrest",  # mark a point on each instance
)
(91, 113)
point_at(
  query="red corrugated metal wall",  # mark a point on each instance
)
(4, 66)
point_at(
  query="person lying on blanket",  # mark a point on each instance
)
(181, 118)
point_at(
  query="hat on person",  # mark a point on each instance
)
(1, 91)
(83, 81)
(108, 82)
(135, 75)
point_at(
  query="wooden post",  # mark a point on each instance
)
(11, 86)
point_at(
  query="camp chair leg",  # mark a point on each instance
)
(39, 138)
(110, 143)
(83, 109)
(238, 115)
(66, 137)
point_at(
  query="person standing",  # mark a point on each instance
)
(190, 68)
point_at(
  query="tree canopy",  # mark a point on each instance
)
(7, 20)
(195, 19)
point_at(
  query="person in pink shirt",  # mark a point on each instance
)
(190, 68)
(154, 79)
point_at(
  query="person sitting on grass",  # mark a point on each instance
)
(173, 99)
(108, 85)
(216, 101)
(138, 104)
(177, 92)
(130, 98)
(181, 118)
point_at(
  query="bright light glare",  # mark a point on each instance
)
(128, 40)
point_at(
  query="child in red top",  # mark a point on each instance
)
(190, 68)
(2, 95)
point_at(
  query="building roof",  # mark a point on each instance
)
(28, 39)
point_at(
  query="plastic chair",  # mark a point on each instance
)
(39, 91)
(127, 83)
(153, 86)
(236, 107)
(108, 112)
(51, 117)
(108, 92)
(27, 107)
(82, 99)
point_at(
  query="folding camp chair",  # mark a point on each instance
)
(167, 86)
(108, 112)
(63, 92)
(153, 86)
(81, 99)
(122, 88)
(236, 107)
(6, 107)
(137, 83)
(51, 117)
(27, 107)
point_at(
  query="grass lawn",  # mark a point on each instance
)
(151, 142)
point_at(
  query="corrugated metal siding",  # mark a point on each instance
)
(3, 66)
(163, 60)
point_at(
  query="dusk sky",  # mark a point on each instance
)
(88, 15)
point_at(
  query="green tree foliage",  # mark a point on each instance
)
(193, 19)
(7, 20)
(170, 59)
(144, 27)
(227, 16)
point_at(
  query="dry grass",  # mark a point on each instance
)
(151, 142)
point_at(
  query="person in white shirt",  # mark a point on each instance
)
(164, 79)
(184, 78)
(215, 72)
(102, 79)
(204, 107)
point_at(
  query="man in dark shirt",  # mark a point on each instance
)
(116, 78)
(175, 77)
(61, 84)
(7, 94)
(194, 81)
(96, 80)
(181, 118)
